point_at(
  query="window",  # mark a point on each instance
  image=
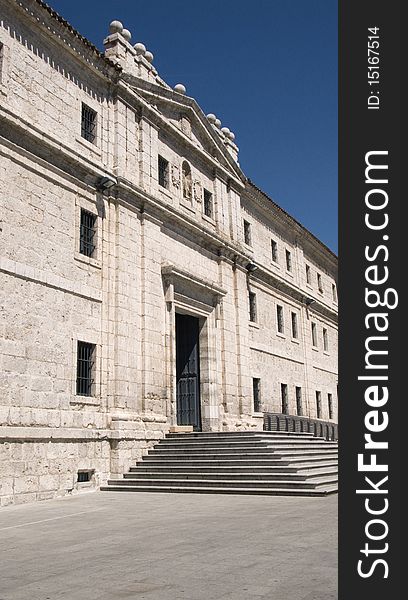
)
(294, 326)
(274, 249)
(252, 307)
(330, 405)
(247, 233)
(279, 319)
(325, 340)
(1, 60)
(187, 181)
(319, 405)
(288, 261)
(85, 369)
(334, 292)
(319, 282)
(163, 166)
(299, 408)
(285, 400)
(87, 233)
(256, 388)
(314, 335)
(208, 204)
(308, 275)
(88, 124)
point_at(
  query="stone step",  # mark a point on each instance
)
(191, 439)
(232, 460)
(214, 434)
(261, 475)
(223, 468)
(247, 483)
(245, 443)
(180, 489)
(246, 449)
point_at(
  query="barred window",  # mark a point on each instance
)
(88, 124)
(314, 335)
(208, 204)
(288, 260)
(279, 319)
(247, 233)
(87, 233)
(319, 405)
(308, 275)
(163, 166)
(274, 249)
(299, 408)
(85, 369)
(330, 405)
(256, 388)
(319, 282)
(325, 340)
(285, 399)
(252, 307)
(294, 326)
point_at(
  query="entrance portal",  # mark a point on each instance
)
(188, 371)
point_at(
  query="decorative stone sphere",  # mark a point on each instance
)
(140, 48)
(115, 27)
(149, 56)
(212, 118)
(180, 88)
(225, 131)
(126, 34)
(217, 123)
(231, 136)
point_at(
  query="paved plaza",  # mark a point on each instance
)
(146, 546)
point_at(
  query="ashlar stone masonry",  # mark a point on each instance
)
(146, 283)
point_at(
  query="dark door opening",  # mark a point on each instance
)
(188, 371)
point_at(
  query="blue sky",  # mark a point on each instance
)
(266, 68)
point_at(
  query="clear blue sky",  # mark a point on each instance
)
(266, 68)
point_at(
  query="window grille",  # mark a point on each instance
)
(280, 321)
(294, 326)
(87, 233)
(256, 384)
(252, 307)
(299, 408)
(330, 404)
(285, 399)
(208, 204)
(247, 233)
(85, 369)
(319, 405)
(274, 249)
(163, 166)
(288, 261)
(88, 124)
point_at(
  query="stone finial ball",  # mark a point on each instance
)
(217, 123)
(140, 48)
(211, 117)
(149, 56)
(180, 88)
(225, 131)
(115, 27)
(126, 34)
(231, 136)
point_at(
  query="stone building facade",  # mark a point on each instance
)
(145, 281)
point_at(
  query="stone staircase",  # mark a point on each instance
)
(266, 463)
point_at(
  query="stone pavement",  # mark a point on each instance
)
(146, 546)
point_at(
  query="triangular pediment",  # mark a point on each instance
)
(184, 114)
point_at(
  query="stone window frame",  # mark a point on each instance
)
(90, 206)
(274, 252)
(299, 400)
(253, 307)
(288, 261)
(294, 326)
(330, 406)
(319, 283)
(95, 147)
(247, 229)
(256, 395)
(334, 293)
(90, 338)
(325, 336)
(319, 407)
(211, 195)
(313, 327)
(285, 399)
(280, 320)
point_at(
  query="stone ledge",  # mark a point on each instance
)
(53, 434)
